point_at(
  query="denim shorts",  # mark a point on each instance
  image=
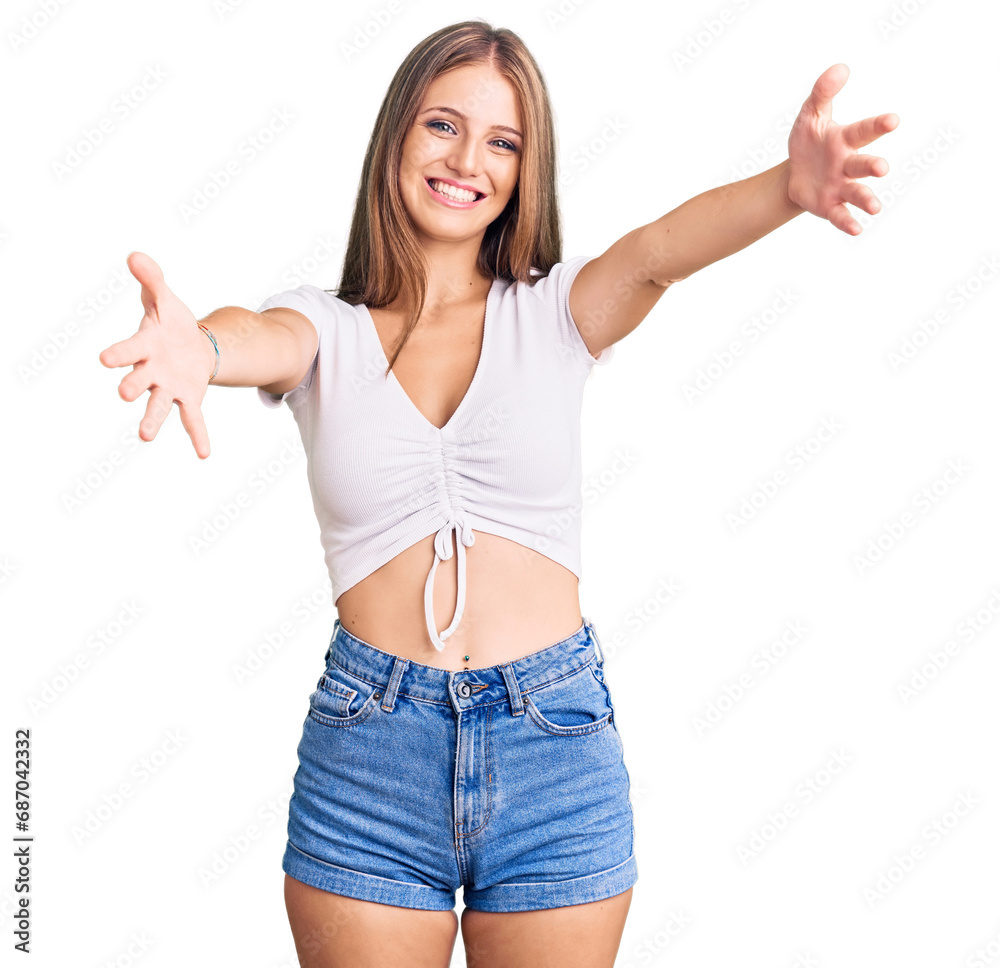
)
(507, 781)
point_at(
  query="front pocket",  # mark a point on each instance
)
(575, 705)
(341, 699)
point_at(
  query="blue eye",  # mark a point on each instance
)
(430, 124)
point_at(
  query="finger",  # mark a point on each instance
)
(157, 408)
(864, 132)
(194, 424)
(150, 276)
(828, 84)
(864, 166)
(136, 383)
(126, 352)
(861, 196)
(840, 217)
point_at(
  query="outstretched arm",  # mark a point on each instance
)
(612, 293)
(172, 359)
(719, 222)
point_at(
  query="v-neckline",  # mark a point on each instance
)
(475, 376)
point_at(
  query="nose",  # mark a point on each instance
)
(465, 158)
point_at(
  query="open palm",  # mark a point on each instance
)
(167, 356)
(823, 159)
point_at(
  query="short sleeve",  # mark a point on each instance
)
(316, 306)
(563, 275)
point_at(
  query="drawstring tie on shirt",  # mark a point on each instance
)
(442, 552)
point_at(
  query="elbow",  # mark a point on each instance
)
(659, 261)
(667, 283)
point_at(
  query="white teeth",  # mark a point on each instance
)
(459, 194)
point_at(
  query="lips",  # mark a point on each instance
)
(467, 188)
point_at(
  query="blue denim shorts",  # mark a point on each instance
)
(507, 781)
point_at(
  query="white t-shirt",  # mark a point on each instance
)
(507, 462)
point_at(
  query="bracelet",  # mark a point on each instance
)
(208, 333)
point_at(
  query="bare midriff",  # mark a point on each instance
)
(517, 601)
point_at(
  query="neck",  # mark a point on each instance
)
(453, 278)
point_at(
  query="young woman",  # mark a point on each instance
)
(438, 397)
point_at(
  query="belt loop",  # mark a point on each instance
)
(513, 690)
(399, 666)
(596, 638)
(333, 636)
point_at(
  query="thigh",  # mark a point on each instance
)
(577, 936)
(333, 931)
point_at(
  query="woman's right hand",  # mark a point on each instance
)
(169, 355)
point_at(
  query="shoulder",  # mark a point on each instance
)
(553, 286)
(547, 297)
(316, 304)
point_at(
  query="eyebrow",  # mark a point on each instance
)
(462, 117)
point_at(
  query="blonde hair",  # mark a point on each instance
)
(383, 254)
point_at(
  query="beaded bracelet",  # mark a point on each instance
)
(208, 332)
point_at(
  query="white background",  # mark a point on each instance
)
(97, 522)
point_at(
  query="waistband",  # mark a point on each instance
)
(463, 688)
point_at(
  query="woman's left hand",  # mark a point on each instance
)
(823, 159)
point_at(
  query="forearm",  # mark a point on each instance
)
(254, 349)
(719, 222)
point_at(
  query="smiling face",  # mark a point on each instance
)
(467, 137)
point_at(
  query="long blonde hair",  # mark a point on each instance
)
(383, 254)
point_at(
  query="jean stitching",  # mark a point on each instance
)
(559, 678)
(489, 784)
(580, 729)
(370, 682)
(374, 877)
(357, 718)
(337, 688)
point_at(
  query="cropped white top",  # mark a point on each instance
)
(507, 463)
